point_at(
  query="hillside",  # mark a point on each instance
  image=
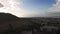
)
(9, 22)
(7, 17)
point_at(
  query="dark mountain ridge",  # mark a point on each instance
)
(5, 17)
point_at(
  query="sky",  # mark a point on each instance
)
(31, 8)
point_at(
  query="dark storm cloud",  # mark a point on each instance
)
(1, 5)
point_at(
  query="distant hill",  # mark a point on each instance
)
(7, 17)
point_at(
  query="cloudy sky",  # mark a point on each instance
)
(31, 8)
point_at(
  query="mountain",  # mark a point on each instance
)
(7, 17)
